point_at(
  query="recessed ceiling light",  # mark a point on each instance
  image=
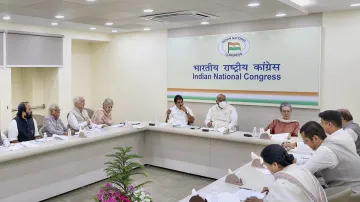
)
(146, 29)
(355, 5)
(54, 24)
(92, 28)
(109, 23)
(148, 10)
(114, 31)
(280, 14)
(59, 16)
(253, 4)
(6, 17)
(204, 23)
(90, 0)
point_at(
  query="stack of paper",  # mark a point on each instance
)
(138, 126)
(61, 137)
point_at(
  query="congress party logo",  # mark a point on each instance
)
(234, 46)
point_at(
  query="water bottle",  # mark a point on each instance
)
(45, 137)
(69, 133)
(156, 121)
(254, 132)
(214, 195)
(215, 128)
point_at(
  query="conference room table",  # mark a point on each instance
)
(251, 178)
(58, 166)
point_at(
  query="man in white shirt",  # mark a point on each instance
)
(222, 114)
(180, 114)
(353, 129)
(23, 127)
(335, 156)
(78, 116)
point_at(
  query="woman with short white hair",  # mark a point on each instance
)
(103, 115)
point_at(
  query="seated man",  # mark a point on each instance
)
(102, 116)
(335, 157)
(52, 122)
(179, 114)
(284, 124)
(222, 114)
(23, 127)
(4, 141)
(78, 117)
(350, 127)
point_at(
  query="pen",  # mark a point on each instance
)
(246, 188)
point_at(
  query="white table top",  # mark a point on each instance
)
(252, 179)
(114, 132)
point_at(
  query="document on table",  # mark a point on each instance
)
(301, 156)
(222, 129)
(138, 126)
(243, 194)
(29, 144)
(264, 170)
(61, 137)
(12, 147)
(118, 125)
(282, 136)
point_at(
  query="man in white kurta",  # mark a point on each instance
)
(222, 114)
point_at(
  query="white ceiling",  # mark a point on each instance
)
(81, 14)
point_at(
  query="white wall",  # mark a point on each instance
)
(35, 85)
(132, 71)
(340, 75)
(81, 84)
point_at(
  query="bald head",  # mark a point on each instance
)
(220, 98)
(346, 115)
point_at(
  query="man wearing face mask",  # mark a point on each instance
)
(222, 114)
(23, 127)
(180, 114)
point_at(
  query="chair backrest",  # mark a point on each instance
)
(6, 133)
(41, 132)
(90, 112)
(354, 197)
(39, 120)
(338, 194)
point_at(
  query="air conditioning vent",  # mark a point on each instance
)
(181, 16)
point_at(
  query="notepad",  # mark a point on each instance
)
(222, 129)
(243, 194)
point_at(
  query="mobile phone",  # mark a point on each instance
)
(247, 135)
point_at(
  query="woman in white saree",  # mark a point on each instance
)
(292, 183)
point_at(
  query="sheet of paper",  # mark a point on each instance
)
(61, 137)
(12, 147)
(138, 126)
(282, 136)
(222, 129)
(29, 144)
(117, 126)
(243, 194)
(301, 156)
(135, 122)
(264, 170)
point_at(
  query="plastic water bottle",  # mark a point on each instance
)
(214, 195)
(45, 137)
(215, 128)
(69, 133)
(156, 121)
(254, 132)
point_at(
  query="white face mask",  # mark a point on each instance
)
(223, 105)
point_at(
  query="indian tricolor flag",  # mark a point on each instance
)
(234, 46)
